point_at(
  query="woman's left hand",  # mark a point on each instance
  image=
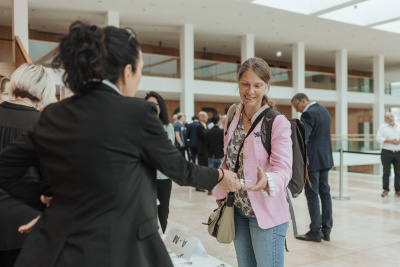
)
(262, 181)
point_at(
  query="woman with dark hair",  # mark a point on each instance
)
(164, 184)
(102, 148)
(30, 85)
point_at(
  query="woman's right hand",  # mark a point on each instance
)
(230, 182)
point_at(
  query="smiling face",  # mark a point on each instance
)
(251, 89)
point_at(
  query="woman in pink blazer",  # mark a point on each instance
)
(261, 208)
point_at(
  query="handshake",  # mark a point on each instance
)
(230, 182)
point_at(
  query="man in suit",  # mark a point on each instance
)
(215, 144)
(178, 130)
(191, 135)
(319, 147)
(201, 129)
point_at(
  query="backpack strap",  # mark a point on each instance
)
(266, 129)
(231, 113)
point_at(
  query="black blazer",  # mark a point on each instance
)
(14, 121)
(191, 133)
(318, 135)
(102, 151)
(215, 142)
(201, 139)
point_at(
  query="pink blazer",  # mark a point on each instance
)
(270, 211)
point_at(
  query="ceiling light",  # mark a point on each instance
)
(278, 53)
(366, 13)
(305, 7)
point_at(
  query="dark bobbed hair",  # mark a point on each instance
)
(90, 53)
(195, 118)
(161, 104)
(263, 71)
(215, 119)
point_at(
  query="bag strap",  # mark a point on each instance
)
(267, 129)
(292, 213)
(231, 113)
(262, 114)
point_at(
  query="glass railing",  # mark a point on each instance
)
(355, 142)
(317, 80)
(160, 66)
(282, 77)
(392, 88)
(215, 71)
(42, 52)
(363, 85)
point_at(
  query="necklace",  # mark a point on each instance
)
(249, 119)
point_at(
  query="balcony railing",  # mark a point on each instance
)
(355, 142)
(363, 85)
(42, 52)
(392, 88)
(161, 66)
(215, 71)
(318, 80)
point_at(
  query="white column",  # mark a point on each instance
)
(247, 48)
(298, 71)
(187, 70)
(112, 18)
(341, 106)
(379, 91)
(20, 22)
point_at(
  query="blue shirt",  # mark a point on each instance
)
(178, 128)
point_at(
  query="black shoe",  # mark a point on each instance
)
(200, 190)
(326, 237)
(309, 236)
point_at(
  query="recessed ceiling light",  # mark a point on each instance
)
(278, 53)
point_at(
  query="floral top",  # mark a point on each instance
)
(242, 200)
(171, 136)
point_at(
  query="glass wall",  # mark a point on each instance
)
(282, 77)
(215, 71)
(161, 66)
(363, 85)
(42, 52)
(392, 88)
(355, 142)
(318, 80)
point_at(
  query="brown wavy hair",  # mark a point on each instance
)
(263, 71)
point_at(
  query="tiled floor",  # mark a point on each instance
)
(366, 230)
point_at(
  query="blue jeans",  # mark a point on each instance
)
(319, 190)
(256, 246)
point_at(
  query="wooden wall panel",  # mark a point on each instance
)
(356, 116)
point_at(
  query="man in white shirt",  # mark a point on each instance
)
(389, 137)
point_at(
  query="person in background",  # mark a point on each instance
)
(178, 131)
(317, 122)
(201, 129)
(261, 222)
(215, 144)
(389, 137)
(191, 135)
(30, 89)
(164, 184)
(4, 94)
(101, 148)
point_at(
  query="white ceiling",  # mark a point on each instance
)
(219, 24)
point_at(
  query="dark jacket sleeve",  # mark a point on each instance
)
(158, 152)
(15, 159)
(308, 124)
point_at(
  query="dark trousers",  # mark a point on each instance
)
(193, 151)
(319, 187)
(388, 158)
(202, 159)
(163, 194)
(8, 257)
